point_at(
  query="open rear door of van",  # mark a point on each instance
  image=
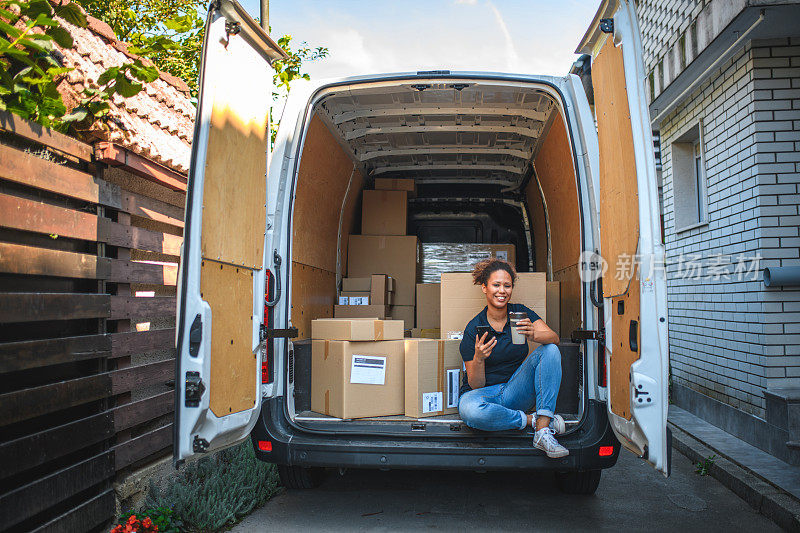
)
(223, 268)
(634, 287)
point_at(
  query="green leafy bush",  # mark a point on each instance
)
(216, 491)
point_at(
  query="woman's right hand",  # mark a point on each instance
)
(484, 349)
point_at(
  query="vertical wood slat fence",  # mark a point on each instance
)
(88, 269)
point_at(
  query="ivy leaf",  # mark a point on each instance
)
(35, 8)
(143, 73)
(76, 115)
(126, 88)
(108, 75)
(72, 13)
(61, 36)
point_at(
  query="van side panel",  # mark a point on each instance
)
(556, 173)
(323, 177)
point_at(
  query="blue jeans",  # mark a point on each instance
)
(503, 406)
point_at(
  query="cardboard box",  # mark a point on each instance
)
(397, 184)
(384, 212)
(436, 258)
(404, 313)
(361, 311)
(357, 379)
(461, 300)
(380, 292)
(429, 305)
(433, 376)
(395, 256)
(553, 305)
(356, 330)
(424, 333)
(356, 284)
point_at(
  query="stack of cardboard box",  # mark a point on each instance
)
(363, 368)
(384, 248)
(367, 297)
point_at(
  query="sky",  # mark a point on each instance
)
(366, 37)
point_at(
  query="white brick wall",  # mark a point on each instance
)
(730, 338)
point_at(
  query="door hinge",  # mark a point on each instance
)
(194, 389)
(199, 445)
(266, 333)
(580, 335)
(607, 25)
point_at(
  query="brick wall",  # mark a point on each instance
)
(727, 335)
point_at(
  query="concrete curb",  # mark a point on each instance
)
(781, 508)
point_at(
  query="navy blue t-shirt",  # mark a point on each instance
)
(506, 356)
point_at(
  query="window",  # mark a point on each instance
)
(682, 51)
(693, 38)
(652, 79)
(689, 179)
(661, 76)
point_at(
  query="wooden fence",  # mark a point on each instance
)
(88, 266)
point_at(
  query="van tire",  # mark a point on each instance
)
(300, 477)
(583, 482)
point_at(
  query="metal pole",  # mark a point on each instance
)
(265, 15)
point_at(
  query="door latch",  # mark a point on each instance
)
(580, 335)
(194, 389)
(266, 333)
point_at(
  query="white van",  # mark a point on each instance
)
(525, 155)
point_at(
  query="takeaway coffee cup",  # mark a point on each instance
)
(516, 336)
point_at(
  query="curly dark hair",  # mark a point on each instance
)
(484, 269)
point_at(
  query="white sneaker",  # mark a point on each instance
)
(558, 425)
(545, 441)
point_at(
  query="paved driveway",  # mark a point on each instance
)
(631, 497)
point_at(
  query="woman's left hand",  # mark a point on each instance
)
(525, 326)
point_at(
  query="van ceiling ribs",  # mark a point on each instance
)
(482, 133)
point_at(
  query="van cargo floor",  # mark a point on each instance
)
(309, 416)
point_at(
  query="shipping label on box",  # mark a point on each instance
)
(370, 370)
(344, 300)
(359, 300)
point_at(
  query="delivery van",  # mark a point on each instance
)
(562, 167)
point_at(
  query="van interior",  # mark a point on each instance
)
(493, 163)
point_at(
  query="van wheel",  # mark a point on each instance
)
(581, 482)
(299, 477)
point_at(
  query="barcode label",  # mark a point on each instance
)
(368, 370)
(452, 387)
(431, 402)
(359, 300)
(343, 300)
(501, 254)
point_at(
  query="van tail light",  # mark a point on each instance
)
(265, 445)
(605, 451)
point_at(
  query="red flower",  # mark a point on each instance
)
(117, 529)
(148, 524)
(132, 519)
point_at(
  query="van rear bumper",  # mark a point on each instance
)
(471, 452)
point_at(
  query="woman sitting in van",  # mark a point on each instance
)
(503, 380)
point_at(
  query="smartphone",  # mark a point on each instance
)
(485, 329)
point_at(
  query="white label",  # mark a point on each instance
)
(368, 369)
(431, 402)
(343, 300)
(359, 300)
(501, 254)
(455, 335)
(452, 387)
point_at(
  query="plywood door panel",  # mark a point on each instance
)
(313, 296)
(324, 173)
(234, 182)
(619, 197)
(622, 357)
(228, 291)
(571, 295)
(538, 226)
(619, 215)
